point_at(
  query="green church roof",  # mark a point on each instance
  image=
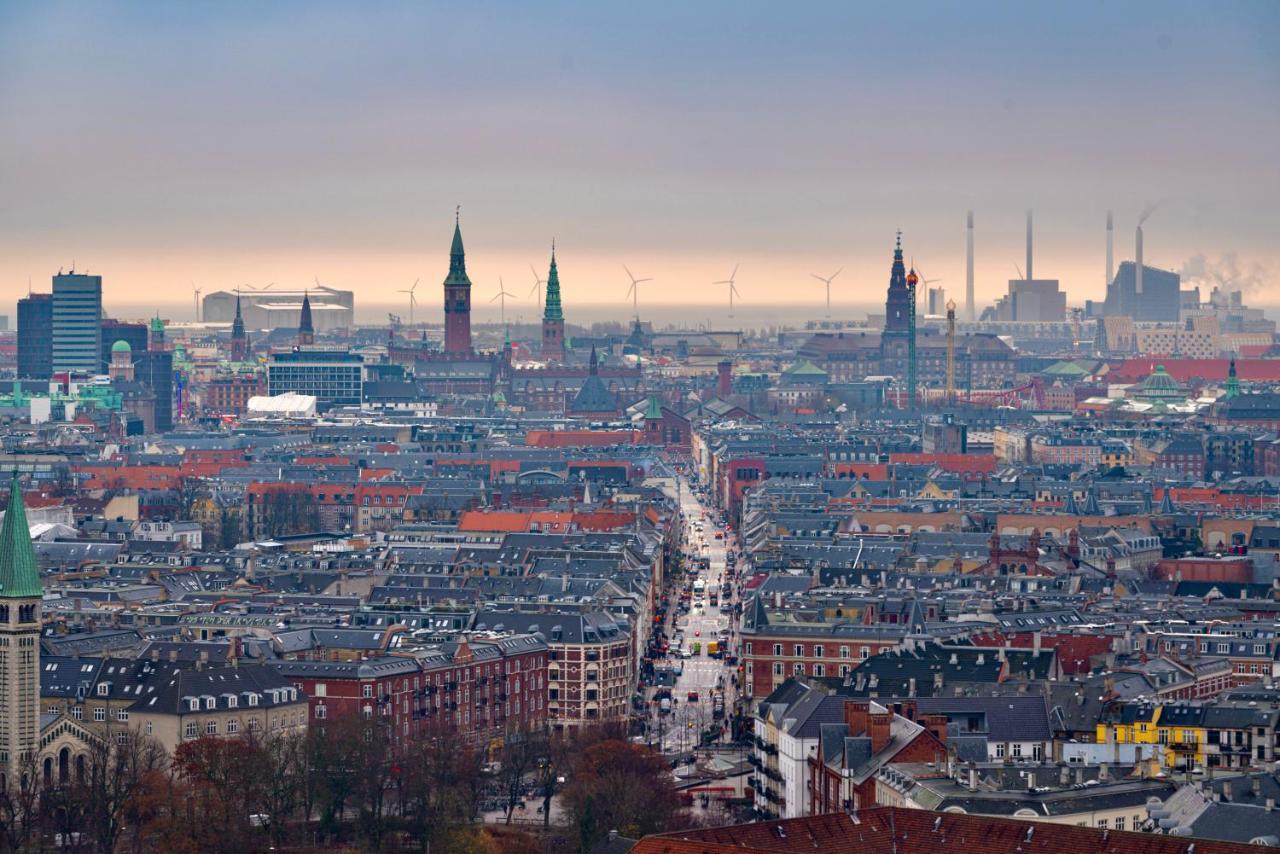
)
(804, 368)
(19, 572)
(553, 310)
(121, 347)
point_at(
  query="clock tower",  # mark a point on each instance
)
(20, 596)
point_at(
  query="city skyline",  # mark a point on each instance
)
(239, 145)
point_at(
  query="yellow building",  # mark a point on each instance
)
(1177, 729)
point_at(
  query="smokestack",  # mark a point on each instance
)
(970, 310)
(1029, 274)
(1111, 269)
(1137, 242)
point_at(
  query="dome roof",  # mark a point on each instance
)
(121, 347)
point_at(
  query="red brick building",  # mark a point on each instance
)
(475, 688)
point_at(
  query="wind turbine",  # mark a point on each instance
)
(413, 300)
(197, 292)
(634, 291)
(501, 298)
(827, 282)
(537, 286)
(733, 289)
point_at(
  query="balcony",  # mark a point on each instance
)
(1184, 746)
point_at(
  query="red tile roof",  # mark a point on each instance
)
(909, 831)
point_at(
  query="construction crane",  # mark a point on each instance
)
(951, 352)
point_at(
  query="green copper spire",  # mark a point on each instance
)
(553, 310)
(457, 257)
(19, 572)
(1233, 381)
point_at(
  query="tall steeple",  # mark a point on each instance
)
(457, 296)
(553, 310)
(553, 315)
(306, 332)
(239, 339)
(896, 315)
(20, 595)
(1233, 381)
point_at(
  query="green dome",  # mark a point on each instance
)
(121, 347)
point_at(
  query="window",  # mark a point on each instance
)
(844, 652)
(190, 729)
(321, 712)
(1037, 751)
(748, 647)
(211, 728)
(99, 713)
(777, 670)
(864, 653)
(253, 724)
(777, 649)
(122, 715)
(1120, 823)
(1000, 749)
(817, 650)
(799, 650)
(819, 670)
(798, 668)
(1017, 748)
(77, 712)
(1102, 823)
(149, 728)
(366, 691)
(844, 670)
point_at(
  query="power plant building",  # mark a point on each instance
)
(1157, 299)
(281, 308)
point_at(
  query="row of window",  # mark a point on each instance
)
(818, 651)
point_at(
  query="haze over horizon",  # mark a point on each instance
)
(236, 143)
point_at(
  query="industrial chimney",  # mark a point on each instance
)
(1111, 271)
(1029, 274)
(970, 310)
(1137, 242)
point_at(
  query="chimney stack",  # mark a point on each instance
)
(970, 309)
(724, 372)
(1111, 269)
(1137, 272)
(1029, 253)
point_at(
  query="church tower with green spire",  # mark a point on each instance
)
(457, 298)
(553, 316)
(20, 596)
(1233, 381)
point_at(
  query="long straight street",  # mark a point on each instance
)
(693, 632)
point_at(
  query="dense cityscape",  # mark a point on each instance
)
(275, 578)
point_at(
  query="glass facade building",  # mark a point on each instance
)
(77, 323)
(330, 376)
(35, 345)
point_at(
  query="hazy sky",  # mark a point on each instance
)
(227, 143)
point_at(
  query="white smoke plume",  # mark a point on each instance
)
(1227, 273)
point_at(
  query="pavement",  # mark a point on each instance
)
(680, 729)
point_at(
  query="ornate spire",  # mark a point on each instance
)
(19, 571)
(1233, 381)
(304, 324)
(594, 364)
(457, 255)
(237, 325)
(553, 310)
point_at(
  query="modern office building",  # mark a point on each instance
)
(35, 344)
(77, 323)
(154, 369)
(332, 377)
